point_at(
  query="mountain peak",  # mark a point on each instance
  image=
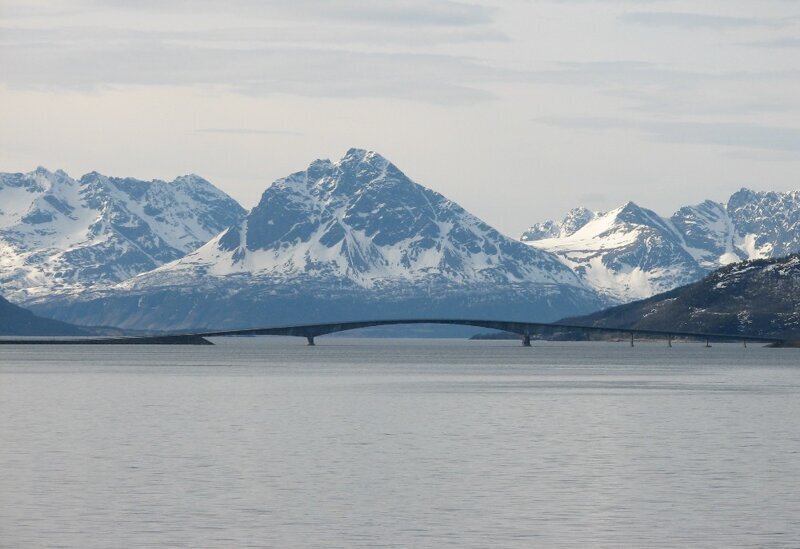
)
(366, 165)
(634, 214)
(573, 221)
(629, 206)
(363, 220)
(354, 173)
(91, 176)
(356, 155)
(192, 180)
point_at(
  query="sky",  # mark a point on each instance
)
(518, 110)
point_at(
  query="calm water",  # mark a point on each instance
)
(399, 443)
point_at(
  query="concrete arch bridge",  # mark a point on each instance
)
(524, 329)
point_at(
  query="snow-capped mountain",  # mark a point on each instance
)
(632, 252)
(627, 253)
(352, 239)
(59, 234)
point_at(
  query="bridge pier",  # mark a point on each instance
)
(526, 340)
(310, 341)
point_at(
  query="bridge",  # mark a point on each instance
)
(526, 330)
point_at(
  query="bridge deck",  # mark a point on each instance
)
(311, 331)
(525, 329)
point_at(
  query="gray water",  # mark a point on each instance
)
(265, 442)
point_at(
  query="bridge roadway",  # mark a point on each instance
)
(524, 329)
(311, 331)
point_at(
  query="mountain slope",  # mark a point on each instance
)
(759, 297)
(631, 252)
(16, 321)
(346, 240)
(58, 234)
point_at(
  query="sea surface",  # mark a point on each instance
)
(260, 442)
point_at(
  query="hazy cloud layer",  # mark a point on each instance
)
(755, 136)
(249, 68)
(387, 12)
(310, 48)
(778, 43)
(247, 131)
(701, 20)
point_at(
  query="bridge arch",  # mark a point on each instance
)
(311, 331)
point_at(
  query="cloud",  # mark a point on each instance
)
(710, 99)
(322, 48)
(622, 2)
(248, 37)
(700, 21)
(644, 76)
(765, 156)
(777, 43)
(318, 62)
(375, 12)
(416, 12)
(51, 59)
(661, 88)
(728, 134)
(248, 131)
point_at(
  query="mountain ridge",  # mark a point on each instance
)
(631, 252)
(342, 240)
(58, 234)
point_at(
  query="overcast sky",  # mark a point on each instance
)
(518, 110)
